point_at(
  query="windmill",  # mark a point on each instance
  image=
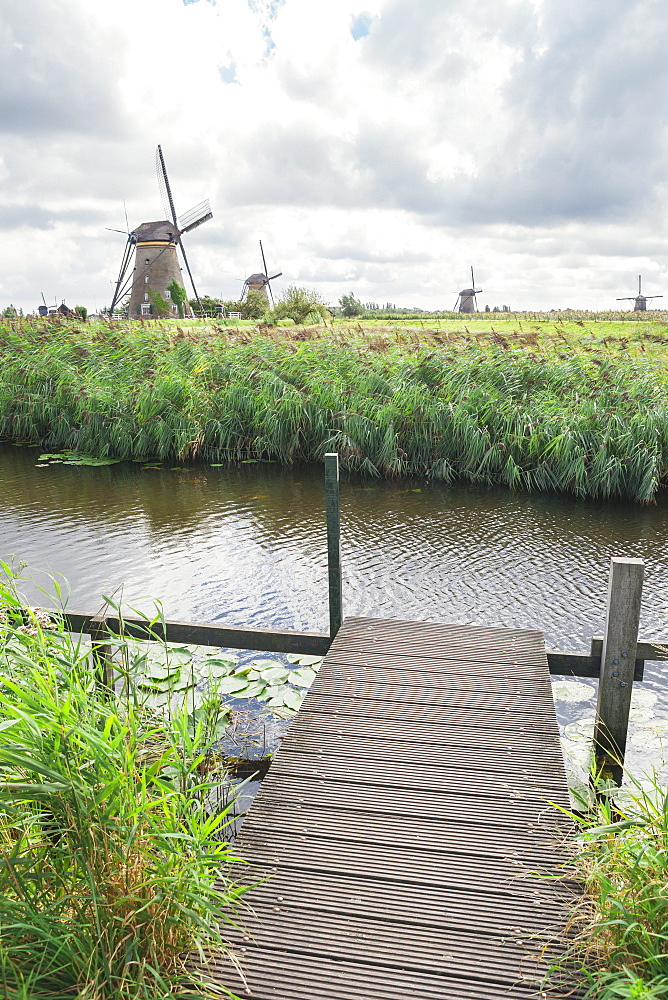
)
(639, 299)
(260, 282)
(155, 250)
(466, 300)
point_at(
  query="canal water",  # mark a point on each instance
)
(246, 546)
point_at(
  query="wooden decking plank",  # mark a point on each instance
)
(386, 782)
(406, 823)
(409, 712)
(412, 673)
(503, 765)
(401, 903)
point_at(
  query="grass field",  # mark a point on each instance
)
(570, 403)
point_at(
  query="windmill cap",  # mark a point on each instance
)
(257, 279)
(164, 231)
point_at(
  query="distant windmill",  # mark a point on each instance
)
(639, 299)
(466, 300)
(155, 248)
(260, 282)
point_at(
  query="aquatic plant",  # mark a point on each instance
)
(113, 858)
(500, 408)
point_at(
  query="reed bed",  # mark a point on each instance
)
(583, 413)
(113, 863)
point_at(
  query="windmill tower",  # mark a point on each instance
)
(260, 282)
(640, 300)
(156, 261)
(466, 300)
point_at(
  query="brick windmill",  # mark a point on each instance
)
(260, 282)
(640, 300)
(155, 245)
(466, 300)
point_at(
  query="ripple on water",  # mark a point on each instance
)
(247, 546)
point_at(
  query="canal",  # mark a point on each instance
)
(246, 545)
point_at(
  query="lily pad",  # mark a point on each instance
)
(233, 685)
(303, 677)
(274, 674)
(572, 691)
(218, 666)
(304, 661)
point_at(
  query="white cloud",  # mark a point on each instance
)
(375, 145)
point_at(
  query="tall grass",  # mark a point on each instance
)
(621, 927)
(574, 422)
(112, 866)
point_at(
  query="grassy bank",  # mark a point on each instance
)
(621, 927)
(110, 839)
(573, 405)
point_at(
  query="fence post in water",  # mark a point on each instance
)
(618, 658)
(104, 663)
(333, 542)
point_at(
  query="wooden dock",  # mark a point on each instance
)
(405, 828)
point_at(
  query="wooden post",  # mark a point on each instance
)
(104, 663)
(333, 542)
(618, 659)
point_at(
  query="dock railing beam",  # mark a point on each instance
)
(618, 657)
(333, 542)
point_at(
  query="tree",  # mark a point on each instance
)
(350, 306)
(178, 294)
(10, 312)
(81, 312)
(210, 306)
(160, 306)
(300, 304)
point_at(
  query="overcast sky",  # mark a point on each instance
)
(375, 146)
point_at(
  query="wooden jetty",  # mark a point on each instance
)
(405, 835)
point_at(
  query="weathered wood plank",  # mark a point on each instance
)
(618, 658)
(333, 542)
(197, 634)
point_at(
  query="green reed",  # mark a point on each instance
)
(589, 423)
(113, 863)
(619, 932)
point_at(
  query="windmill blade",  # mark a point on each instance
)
(277, 275)
(127, 224)
(627, 298)
(165, 189)
(639, 285)
(454, 308)
(190, 275)
(110, 230)
(653, 296)
(264, 263)
(472, 278)
(125, 263)
(195, 217)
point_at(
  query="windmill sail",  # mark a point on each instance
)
(195, 217)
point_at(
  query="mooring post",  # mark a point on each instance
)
(102, 657)
(333, 542)
(618, 658)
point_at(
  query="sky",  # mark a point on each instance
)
(379, 147)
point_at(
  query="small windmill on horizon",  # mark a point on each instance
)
(260, 282)
(466, 300)
(155, 248)
(640, 300)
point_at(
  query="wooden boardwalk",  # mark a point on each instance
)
(405, 825)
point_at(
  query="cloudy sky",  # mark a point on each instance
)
(375, 146)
